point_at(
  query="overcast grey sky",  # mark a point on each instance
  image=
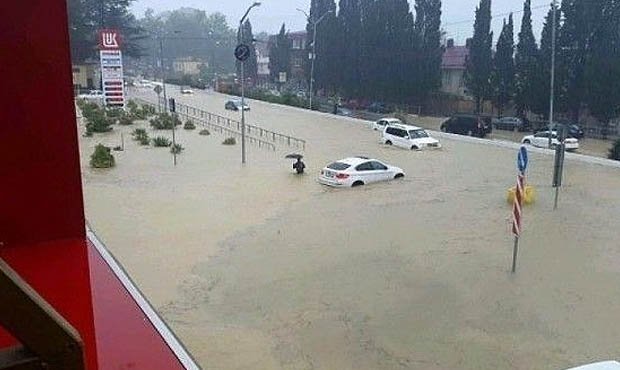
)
(457, 14)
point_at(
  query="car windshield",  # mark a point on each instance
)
(338, 166)
(417, 134)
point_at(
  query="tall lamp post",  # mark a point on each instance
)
(553, 47)
(255, 4)
(314, 25)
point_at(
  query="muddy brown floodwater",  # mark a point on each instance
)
(256, 268)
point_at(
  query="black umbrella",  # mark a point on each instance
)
(294, 156)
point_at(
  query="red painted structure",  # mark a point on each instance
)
(42, 226)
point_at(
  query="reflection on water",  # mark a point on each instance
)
(255, 267)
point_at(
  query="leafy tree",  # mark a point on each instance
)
(86, 17)
(526, 63)
(280, 55)
(503, 67)
(429, 50)
(480, 62)
(245, 36)
(350, 23)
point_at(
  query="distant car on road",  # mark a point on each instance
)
(468, 124)
(356, 171)
(92, 95)
(381, 124)
(572, 130)
(511, 124)
(235, 105)
(187, 92)
(378, 107)
(541, 140)
(409, 137)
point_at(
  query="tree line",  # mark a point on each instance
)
(587, 69)
(376, 49)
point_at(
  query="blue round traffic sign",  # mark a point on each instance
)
(242, 52)
(522, 159)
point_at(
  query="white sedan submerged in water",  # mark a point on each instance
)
(356, 171)
(541, 140)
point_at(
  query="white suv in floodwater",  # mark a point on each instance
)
(409, 137)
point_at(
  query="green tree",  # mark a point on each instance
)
(245, 36)
(327, 51)
(280, 55)
(526, 64)
(429, 51)
(602, 68)
(480, 62)
(503, 67)
(543, 86)
(350, 21)
(87, 17)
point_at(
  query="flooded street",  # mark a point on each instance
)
(256, 268)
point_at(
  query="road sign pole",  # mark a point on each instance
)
(515, 251)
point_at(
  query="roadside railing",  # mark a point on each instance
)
(258, 133)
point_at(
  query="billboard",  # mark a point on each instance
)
(111, 59)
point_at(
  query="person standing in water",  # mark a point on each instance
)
(299, 166)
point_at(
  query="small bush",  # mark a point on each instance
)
(132, 106)
(189, 125)
(164, 121)
(204, 132)
(98, 122)
(126, 120)
(161, 141)
(614, 152)
(176, 149)
(230, 141)
(148, 109)
(141, 136)
(102, 157)
(118, 148)
(114, 112)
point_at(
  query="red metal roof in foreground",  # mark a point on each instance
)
(120, 331)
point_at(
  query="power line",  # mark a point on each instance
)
(499, 15)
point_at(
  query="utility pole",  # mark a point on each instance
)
(553, 46)
(314, 25)
(163, 72)
(257, 3)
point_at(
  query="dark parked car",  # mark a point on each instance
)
(572, 130)
(378, 107)
(235, 105)
(468, 124)
(512, 124)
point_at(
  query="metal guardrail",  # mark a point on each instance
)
(259, 132)
(219, 127)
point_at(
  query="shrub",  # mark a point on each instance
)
(229, 141)
(118, 148)
(126, 120)
(176, 149)
(204, 132)
(614, 152)
(102, 157)
(114, 112)
(161, 141)
(132, 106)
(189, 125)
(98, 122)
(141, 136)
(164, 121)
(148, 109)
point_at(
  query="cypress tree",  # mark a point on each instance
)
(479, 66)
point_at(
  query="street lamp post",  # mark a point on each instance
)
(314, 25)
(255, 4)
(163, 80)
(553, 46)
